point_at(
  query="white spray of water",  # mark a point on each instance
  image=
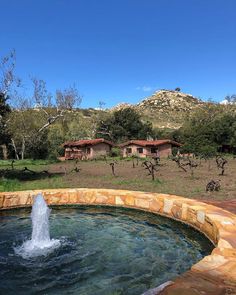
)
(40, 243)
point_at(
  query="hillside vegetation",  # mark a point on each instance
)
(32, 132)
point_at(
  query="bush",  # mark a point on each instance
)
(115, 152)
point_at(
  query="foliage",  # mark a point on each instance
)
(27, 126)
(38, 148)
(207, 129)
(4, 112)
(55, 138)
(115, 152)
(9, 185)
(122, 125)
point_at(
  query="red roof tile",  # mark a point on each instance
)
(85, 142)
(150, 142)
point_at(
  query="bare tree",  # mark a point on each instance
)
(76, 167)
(8, 77)
(179, 161)
(112, 164)
(231, 98)
(68, 98)
(101, 104)
(41, 96)
(221, 162)
(65, 100)
(192, 164)
(184, 162)
(135, 161)
(152, 168)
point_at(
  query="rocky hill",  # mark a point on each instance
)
(166, 108)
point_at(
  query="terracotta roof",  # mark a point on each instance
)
(85, 142)
(150, 142)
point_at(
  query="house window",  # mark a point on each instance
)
(140, 150)
(128, 150)
(154, 150)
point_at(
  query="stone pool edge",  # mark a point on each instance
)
(214, 274)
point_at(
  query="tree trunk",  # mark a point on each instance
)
(153, 173)
(15, 150)
(23, 149)
(4, 151)
(209, 165)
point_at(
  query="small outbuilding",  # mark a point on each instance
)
(148, 148)
(87, 148)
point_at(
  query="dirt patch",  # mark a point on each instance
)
(169, 179)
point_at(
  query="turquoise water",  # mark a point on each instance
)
(104, 251)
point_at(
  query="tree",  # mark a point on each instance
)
(177, 89)
(8, 79)
(208, 129)
(231, 98)
(26, 124)
(124, 124)
(151, 167)
(41, 97)
(7, 82)
(68, 99)
(4, 111)
(4, 135)
(30, 124)
(101, 104)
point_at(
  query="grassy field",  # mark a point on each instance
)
(169, 179)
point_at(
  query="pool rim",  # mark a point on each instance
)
(215, 271)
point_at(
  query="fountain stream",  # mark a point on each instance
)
(40, 243)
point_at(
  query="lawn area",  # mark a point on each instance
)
(97, 174)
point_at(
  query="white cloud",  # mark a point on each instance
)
(225, 101)
(145, 88)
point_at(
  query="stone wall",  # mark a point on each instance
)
(215, 274)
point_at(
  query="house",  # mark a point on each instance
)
(87, 149)
(148, 148)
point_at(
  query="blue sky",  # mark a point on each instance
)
(123, 50)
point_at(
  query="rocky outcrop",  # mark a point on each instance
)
(168, 109)
(121, 106)
(165, 108)
(167, 100)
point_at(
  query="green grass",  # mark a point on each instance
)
(11, 185)
(27, 162)
(139, 183)
(126, 182)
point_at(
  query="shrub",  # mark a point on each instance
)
(115, 152)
